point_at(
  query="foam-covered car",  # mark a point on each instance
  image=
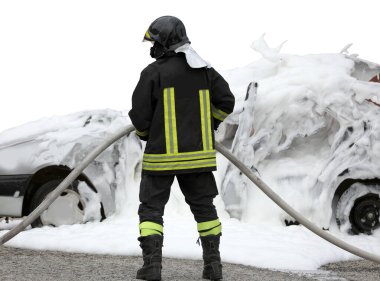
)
(311, 130)
(36, 157)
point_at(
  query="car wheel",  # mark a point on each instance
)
(68, 208)
(358, 209)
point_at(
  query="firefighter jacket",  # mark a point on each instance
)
(176, 109)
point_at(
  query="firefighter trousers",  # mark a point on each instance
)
(199, 190)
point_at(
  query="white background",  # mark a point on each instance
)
(59, 57)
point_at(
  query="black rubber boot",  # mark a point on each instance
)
(152, 255)
(212, 267)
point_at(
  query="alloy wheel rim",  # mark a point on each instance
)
(67, 209)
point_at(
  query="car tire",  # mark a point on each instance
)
(358, 209)
(67, 209)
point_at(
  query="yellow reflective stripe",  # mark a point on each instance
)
(202, 106)
(218, 114)
(150, 228)
(215, 231)
(174, 121)
(181, 153)
(209, 131)
(213, 227)
(166, 118)
(207, 224)
(196, 155)
(151, 225)
(148, 232)
(142, 133)
(194, 164)
(170, 121)
(204, 100)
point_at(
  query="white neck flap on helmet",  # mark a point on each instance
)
(193, 59)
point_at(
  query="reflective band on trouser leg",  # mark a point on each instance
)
(204, 100)
(150, 228)
(170, 121)
(213, 227)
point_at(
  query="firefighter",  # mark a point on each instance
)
(178, 103)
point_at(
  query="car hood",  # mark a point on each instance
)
(59, 140)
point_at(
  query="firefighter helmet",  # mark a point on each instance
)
(168, 31)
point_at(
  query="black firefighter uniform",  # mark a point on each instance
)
(176, 108)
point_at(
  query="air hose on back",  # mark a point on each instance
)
(246, 171)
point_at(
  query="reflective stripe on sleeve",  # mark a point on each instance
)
(142, 133)
(218, 114)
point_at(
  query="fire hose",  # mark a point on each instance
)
(51, 197)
